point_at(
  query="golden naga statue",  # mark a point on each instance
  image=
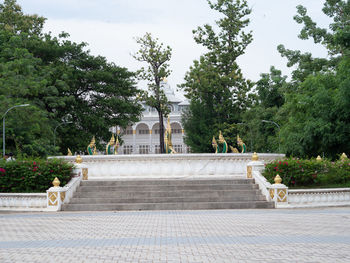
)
(242, 144)
(112, 146)
(234, 149)
(214, 144)
(221, 145)
(69, 152)
(91, 149)
(167, 139)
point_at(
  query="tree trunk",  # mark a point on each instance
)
(161, 132)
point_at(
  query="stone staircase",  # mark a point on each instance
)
(167, 194)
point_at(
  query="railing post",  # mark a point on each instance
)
(279, 192)
(81, 168)
(55, 196)
(254, 165)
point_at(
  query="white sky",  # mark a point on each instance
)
(109, 27)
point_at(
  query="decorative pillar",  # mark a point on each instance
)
(80, 168)
(254, 165)
(184, 148)
(55, 196)
(279, 192)
(134, 141)
(150, 141)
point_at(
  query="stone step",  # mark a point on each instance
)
(171, 182)
(167, 206)
(167, 194)
(183, 193)
(89, 200)
(136, 188)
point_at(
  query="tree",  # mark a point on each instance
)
(269, 97)
(157, 58)
(62, 82)
(316, 119)
(214, 84)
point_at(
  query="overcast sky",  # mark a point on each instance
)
(109, 27)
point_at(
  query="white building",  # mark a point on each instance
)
(143, 136)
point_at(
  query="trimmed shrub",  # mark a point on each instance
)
(309, 173)
(29, 176)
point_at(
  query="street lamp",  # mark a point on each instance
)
(279, 129)
(3, 125)
(251, 135)
(54, 132)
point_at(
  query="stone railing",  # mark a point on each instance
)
(23, 202)
(277, 192)
(50, 201)
(319, 197)
(57, 196)
(286, 198)
(168, 165)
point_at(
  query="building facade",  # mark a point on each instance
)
(143, 136)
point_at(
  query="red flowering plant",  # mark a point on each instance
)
(25, 176)
(309, 172)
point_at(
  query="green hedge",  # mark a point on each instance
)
(309, 173)
(30, 176)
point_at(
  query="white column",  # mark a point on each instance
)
(150, 142)
(134, 141)
(184, 148)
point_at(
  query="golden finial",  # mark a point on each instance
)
(56, 182)
(343, 157)
(78, 159)
(255, 157)
(319, 159)
(278, 179)
(69, 152)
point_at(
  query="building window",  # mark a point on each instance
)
(144, 149)
(157, 148)
(143, 131)
(177, 148)
(129, 131)
(127, 149)
(176, 130)
(156, 131)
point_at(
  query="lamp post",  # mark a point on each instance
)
(54, 132)
(3, 125)
(251, 135)
(279, 129)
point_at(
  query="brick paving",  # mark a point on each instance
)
(299, 235)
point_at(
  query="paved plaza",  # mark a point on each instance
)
(300, 235)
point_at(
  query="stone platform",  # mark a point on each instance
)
(168, 165)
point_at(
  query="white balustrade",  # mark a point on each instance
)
(319, 197)
(23, 201)
(168, 165)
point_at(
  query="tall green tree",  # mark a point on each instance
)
(269, 97)
(62, 82)
(214, 84)
(315, 120)
(156, 57)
